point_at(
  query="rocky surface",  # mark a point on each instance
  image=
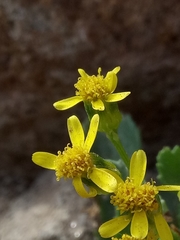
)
(43, 42)
(50, 210)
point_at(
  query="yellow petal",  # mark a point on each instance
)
(76, 132)
(82, 73)
(114, 174)
(44, 159)
(139, 225)
(91, 135)
(67, 103)
(169, 188)
(162, 227)
(114, 226)
(103, 179)
(116, 69)
(111, 81)
(98, 105)
(138, 167)
(80, 189)
(115, 97)
(178, 195)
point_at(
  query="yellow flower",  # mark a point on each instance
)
(76, 162)
(94, 89)
(138, 202)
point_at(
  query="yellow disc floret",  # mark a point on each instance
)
(130, 197)
(125, 237)
(128, 237)
(73, 162)
(91, 88)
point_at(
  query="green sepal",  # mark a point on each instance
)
(160, 208)
(89, 183)
(110, 118)
(102, 163)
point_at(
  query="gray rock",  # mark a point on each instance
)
(50, 210)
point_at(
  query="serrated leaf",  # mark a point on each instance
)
(168, 165)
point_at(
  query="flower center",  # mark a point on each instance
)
(92, 88)
(130, 197)
(73, 162)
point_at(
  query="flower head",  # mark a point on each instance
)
(138, 202)
(76, 162)
(94, 89)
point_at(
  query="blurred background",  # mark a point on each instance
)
(44, 42)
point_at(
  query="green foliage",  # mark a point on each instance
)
(110, 118)
(129, 134)
(168, 166)
(175, 235)
(130, 137)
(131, 140)
(101, 163)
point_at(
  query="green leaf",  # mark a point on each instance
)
(99, 162)
(128, 133)
(168, 167)
(110, 118)
(130, 137)
(176, 235)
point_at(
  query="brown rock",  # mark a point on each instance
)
(42, 43)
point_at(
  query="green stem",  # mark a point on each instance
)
(114, 138)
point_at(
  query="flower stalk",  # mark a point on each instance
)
(114, 138)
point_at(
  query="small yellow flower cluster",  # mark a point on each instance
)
(76, 162)
(73, 162)
(141, 197)
(138, 202)
(95, 89)
(92, 88)
(125, 237)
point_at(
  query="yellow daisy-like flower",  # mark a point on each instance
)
(95, 89)
(138, 202)
(76, 162)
